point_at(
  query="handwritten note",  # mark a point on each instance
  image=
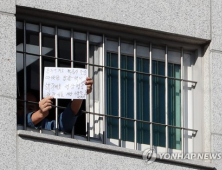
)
(65, 83)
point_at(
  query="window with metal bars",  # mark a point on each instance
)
(138, 88)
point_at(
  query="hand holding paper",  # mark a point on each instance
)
(89, 83)
(66, 83)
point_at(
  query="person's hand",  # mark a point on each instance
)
(45, 105)
(89, 83)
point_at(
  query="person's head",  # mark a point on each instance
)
(30, 107)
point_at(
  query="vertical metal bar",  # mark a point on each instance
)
(135, 96)
(40, 61)
(93, 96)
(40, 64)
(72, 49)
(119, 89)
(88, 132)
(104, 138)
(103, 92)
(166, 98)
(72, 65)
(56, 65)
(25, 78)
(182, 104)
(73, 132)
(88, 96)
(151, 99)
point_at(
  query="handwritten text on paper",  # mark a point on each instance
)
(65, 83)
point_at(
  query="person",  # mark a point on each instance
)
(37, 118)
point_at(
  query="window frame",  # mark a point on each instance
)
(103, 84)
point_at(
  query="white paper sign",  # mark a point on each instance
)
(65, 83)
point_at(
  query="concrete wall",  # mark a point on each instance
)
(191, 18)
(216, 81)
(184, 17)
(35, 152)
(7, 85)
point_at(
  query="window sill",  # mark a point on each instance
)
(109, 148)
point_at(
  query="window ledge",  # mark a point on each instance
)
(111, 149)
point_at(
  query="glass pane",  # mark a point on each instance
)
(32, 79)
(158, 100)
(112, 96)
(112, 128)
(159, 136)
(19, 36)
(127, 62)
(158, 110)
(174, 106)
(174, 138)
(62, 63)
(20, 72)
(158, 85)
(64, 44)
(127, 98)
(32, 76)
(47, 62)
(48, 41)
(174, 95)
(79, 54)
(143, 133)
(32, 38)
(127, 130)
(127, 95)
(142, 65)
(20, 87)
(112, 60)
(158, 68)
(143, 102)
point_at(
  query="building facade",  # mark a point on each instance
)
(156, 71)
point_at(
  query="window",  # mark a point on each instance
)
(141, 93)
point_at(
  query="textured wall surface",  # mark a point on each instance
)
(7, 55)
(185, 17)
(216, 81)
(207, 96)
(217, 147)
(48, 155)
(216, 25)
(7, 6)
(7, 85)
(216, 92)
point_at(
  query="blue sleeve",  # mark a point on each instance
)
(67, 119)
(30, 123)
(44, 124)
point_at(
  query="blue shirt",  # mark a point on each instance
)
(66, 121)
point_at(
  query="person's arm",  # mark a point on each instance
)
(76, 103)
(44, 106)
